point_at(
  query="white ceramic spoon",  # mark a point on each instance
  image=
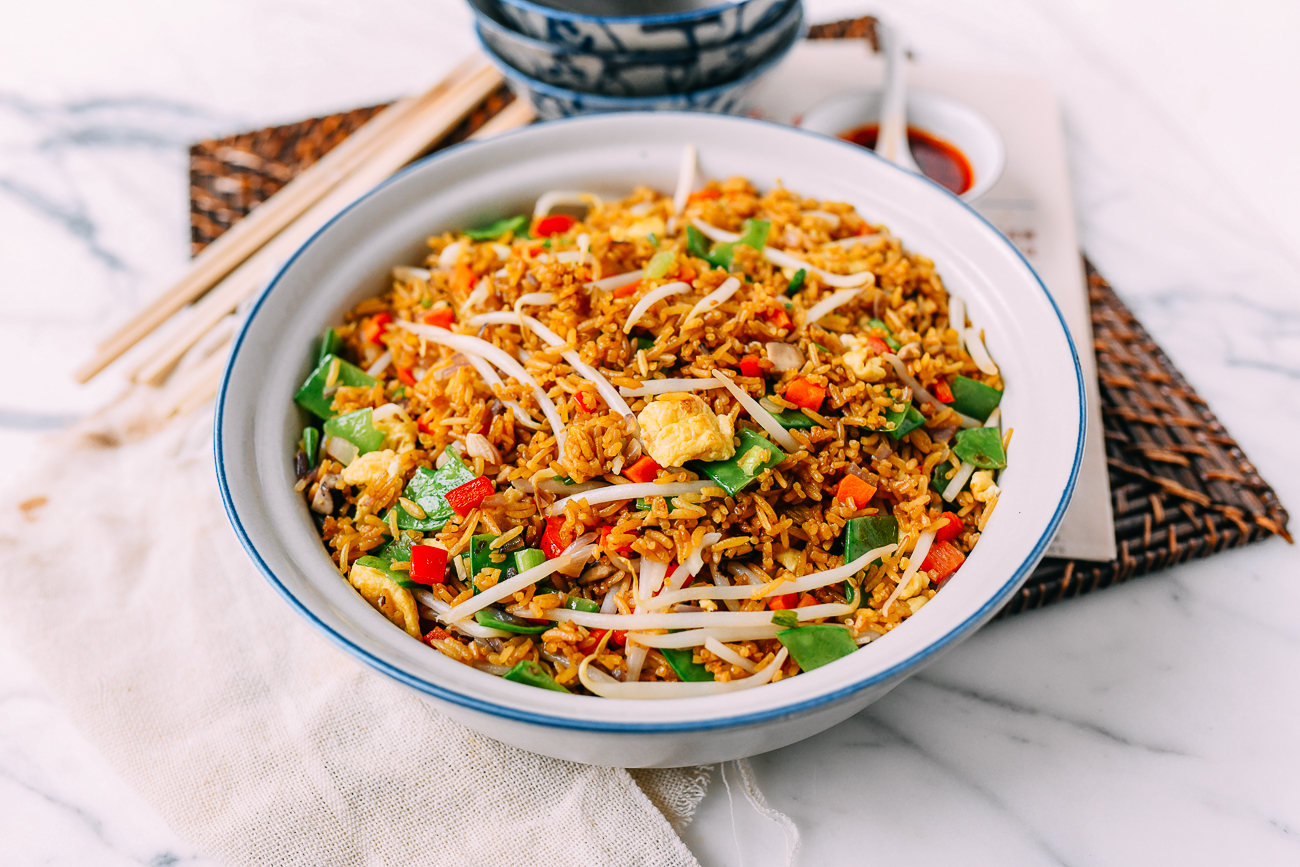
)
(891, 141)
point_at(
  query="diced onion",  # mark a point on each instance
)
(978, 354)
(677, 689)
(784, 356)
(614, 493)
(957, 319)
(648, 301)
(341, 450)
(447, 258)
(765, 419)
(685, 179)
(380, 365)
(826, 305)
(511, 586)
(618, 281)
(408, 273)
(713, 299)
(549, 200)
(652, 578)
(669, 386)
(833, 219)
(914, 561)
(697, 637)
(720, 650)
(845, 281)
(475, 346)
(479, 446)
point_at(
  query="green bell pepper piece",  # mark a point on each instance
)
(578, 603)
(402, 579)
(311, 444)
(796, 282)
(312, 397)
(357, 428)
(497, 229)
(429, 489)
(532, 674)
(890, 340)
(720, 256)
(865, 534)
(728, 474)
(682, 660)
(904, 422)
(330, 344)
(981, 446)
(973, 398)
(528, 558)
(817, 644)
(493, 619)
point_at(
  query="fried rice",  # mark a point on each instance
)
(624, 448)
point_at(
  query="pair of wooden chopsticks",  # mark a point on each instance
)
(239, 262)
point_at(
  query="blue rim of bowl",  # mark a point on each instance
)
(434, 690)
(606, 20)
(645, 103)
(481, 19)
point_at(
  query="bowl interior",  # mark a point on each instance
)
(257, 423)
(950, 120)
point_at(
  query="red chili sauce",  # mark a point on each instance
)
(939, 161)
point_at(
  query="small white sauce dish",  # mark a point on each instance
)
(942, 117)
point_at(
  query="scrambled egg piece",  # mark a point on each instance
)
(369, 469)
(864, 364)
(399, 429)
(387, 597)
(640, 229)
(677, 428)
(983, 488)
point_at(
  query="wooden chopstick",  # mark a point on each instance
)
(419, 130)
(244, 238)
(204, 383)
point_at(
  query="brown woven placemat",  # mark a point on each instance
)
(1180, 485)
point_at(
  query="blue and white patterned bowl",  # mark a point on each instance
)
(551, 102)
(632, 73)
(710, 24)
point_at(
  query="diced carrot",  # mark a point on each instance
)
(703, 195)
(442, 317)
(749, 366)
(855, 491)
(806, 394)
(781, 603)
(644, 470)
(629, 289)
(686, 273)
(943, 560)
(556, 224)
(942, 391)
(405, 375)
(463, 279)
(950, 530)
(375, 327)
(806, 600)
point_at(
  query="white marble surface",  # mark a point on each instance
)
(1152, 723)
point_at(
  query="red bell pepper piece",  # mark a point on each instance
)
(442, 317)
(585, 401)
(437, 633)
(703, 195)
(375, 327)
(644, 470)
(806, 600)
(604, 541)
(942, 391)
(463, 279)
(553, 543)
(805, 393)
(877, 345)
(749, 366)
(686, 273)
(619, 637)
(405, 375)
(855, 491)
(943, 560)
(779, 318)
(556, 224)
(950, 530)
(780, 603)
(428, 564)
(469, 496)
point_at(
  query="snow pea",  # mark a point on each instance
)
(793, 418)
(796, 282)
(429, 489)
(865, 534)
(532, 674)
(330, 344)
(815, 645)
(720, 256)
(973, 398)
(357, 428)
(578, 603)
(728, 474)
(498, 228)
(682, 660)
(494, 619)
(312, 396)
(311, 444)
(939, 478)
(402, 579)
(904, 422)
(981, 446)
(480, 556)
(890, 340)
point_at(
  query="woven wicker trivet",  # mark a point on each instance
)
(1181, 487)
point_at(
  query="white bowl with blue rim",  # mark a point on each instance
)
(350, 259)
(639, 25)
(632, 73)
(730, 97)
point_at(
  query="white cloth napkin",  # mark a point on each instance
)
(253, 735)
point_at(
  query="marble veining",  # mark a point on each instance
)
(1147, 724)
